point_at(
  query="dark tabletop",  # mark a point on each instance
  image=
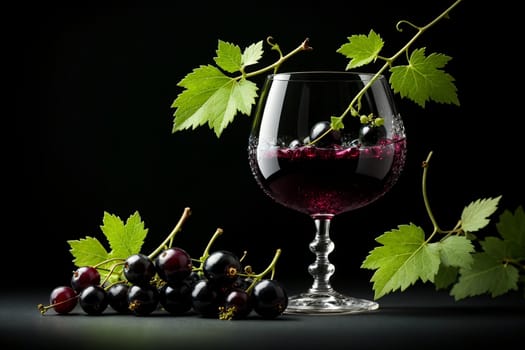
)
(419, 318)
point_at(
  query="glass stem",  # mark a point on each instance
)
(321, 270)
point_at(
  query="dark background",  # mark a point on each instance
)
(93, 83)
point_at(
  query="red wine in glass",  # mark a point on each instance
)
(316, 180)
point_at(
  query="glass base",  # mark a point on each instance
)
(328, 303)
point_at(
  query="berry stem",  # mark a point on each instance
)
(124, 281)
(270, 268)
(111, 270)
(43, 309)
(206, 252)
(169, 239)
(107, 261)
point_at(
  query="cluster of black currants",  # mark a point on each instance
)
(219, 287)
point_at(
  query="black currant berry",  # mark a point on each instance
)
(139, 269)
(118, 298)
(237, 305)
(176, 299)
(242, 283)
(222, 267)
(269, 298)
(194, 277)
(83, 277)
(143, 299)
(63, 299)
(173, 265)
(370, 135)
(93, 300)
(332, 138)
(205, 299)
(294, 143)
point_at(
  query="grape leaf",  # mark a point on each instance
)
(502, 249)
(512, 227)
(87, 251)
(456, 251)
(229, 57)
(252, 54)
(486, 275)
(124, 239)
(423, 80)
(404, 258)
(336, 123)
(475, 216)
(361, 49)
(446, 276)
(211, 97)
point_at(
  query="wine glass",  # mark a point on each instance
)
(303, 164)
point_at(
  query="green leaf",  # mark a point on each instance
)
(423, 79)
(475, 216)
(124, 239)
(361, 49)
(512, 227)
(193, 106)
(486, 275)
(211, 97)
(252, 54)
(446, 276)
(228, 57)
(404, 258)
(336, 123)
(456, 251)
(500, 249)
(87, 251)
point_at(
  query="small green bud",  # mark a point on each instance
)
(379, 121)
(364, 119)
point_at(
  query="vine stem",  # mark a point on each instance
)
(436, 228)
(390, 60)
(425, 195)
(185, 215)
(420, 31)
(303, 47)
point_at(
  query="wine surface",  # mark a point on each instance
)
(327, 181)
